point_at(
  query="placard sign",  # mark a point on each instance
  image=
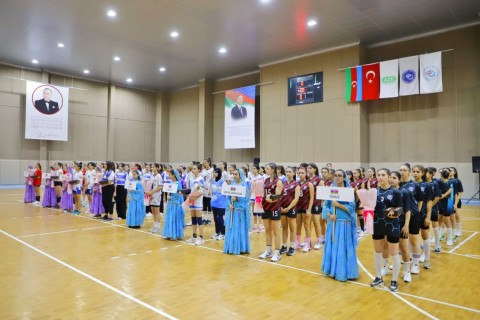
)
(335, 193)
(46, 175)
(233, 190)
(170, 187)
(131, 185)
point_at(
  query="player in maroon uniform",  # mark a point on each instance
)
(316, 210)
(271, 215)
(305, 205)
(288, 202)
(372, 178)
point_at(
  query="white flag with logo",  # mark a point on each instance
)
(408, 75)
(431, 73)
(389, 79)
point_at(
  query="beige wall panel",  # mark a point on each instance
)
(183, 125)
(9, 99)
(393, 132)
(323, 143)
(273, 128)
(288, 142)
(11, 172)
(342, 134)
(443, 129)
(123, 141)
(304, 149)
(149, 132)
(468, 125)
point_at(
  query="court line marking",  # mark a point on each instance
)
(463, 242)
(86, 275)
(396, 295)
(57, 232)
(288, 267)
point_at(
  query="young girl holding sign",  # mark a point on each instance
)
(136, 205)
(175, 215)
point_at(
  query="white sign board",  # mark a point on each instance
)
(170, 187)
(46, 175)
(335, 193)
(233, 190)
(130, 185)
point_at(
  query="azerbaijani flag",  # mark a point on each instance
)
(353, 84)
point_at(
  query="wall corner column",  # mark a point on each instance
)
(111, 122)
(205, 118)
(162, 120)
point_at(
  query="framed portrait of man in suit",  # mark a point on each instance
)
(47, 99)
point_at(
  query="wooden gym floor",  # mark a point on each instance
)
(60, 266)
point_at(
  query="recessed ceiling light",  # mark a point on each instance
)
(222, 50)
(116, 58)
(162, 69)
(129, 80)
(265, 1)
(34, 61)
(60, 45)
(111, 13)
(86, 71)
(174, 34)
(311, 23)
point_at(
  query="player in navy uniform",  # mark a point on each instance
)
(434, 185)
(404, 221)
(288, 202)
(306, 206)
(426, 210)
(271, 216)
(316, 209)
(458, 201)
(386, 224)
(415, 198)
(448, 188)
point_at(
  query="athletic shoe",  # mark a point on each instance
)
(407, 277)
(276, 257)
(220, 237)
(437, 250)
(376, 282)
(432, 240)
(318, 246)
(303, 244)
(214, 236)
(154, 230)
(415, 269)
(98, 215)
(422, 257)
(189, 224)
(306, 248)
(149, 215)
(394, 286)
(266, 254)
(360, 234)
(191, 240)
(87, 211)
(442, 237)
(291, 251)
(391, 266)
(36, 204)
(199, 241)
(450, 242)
(385, 271)
(427, 265)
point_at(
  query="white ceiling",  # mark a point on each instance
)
(254, 33)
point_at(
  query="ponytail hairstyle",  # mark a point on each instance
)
(293, 169)
(445, 173)
(314, 166)
(273, 166)
(422, 169)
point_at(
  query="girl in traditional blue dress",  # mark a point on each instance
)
(175, 215)
(136, 206)
(340, 255)
(237, 218)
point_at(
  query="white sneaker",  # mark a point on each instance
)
(214, 236)
(191, 240)
(306, 248)
(422, 258)
(317, 246)
(407, 277)
(188, 224)
(87, 211)
(303, 244)
(36, 204)
(385, 271)
(276, 257)
(432, 240)
(415, 269)
(220, 237)
(266, 254)
(450, 242)
(149, 215)
(199, 241)
(155, 230)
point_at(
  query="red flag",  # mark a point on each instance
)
(371, 81)
(352, 75)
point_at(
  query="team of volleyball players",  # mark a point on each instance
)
(410, 202)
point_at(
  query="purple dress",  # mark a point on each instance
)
(49, 196)
(67, 196)
(96, 207)
(29, 191)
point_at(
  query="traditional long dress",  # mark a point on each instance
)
(340, 254)
(174, 223)
(96, 206)
(67, 196)
(29, 190)
(136, 206)
(49, 196)
(237, 224)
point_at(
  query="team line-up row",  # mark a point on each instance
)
(280, 201)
